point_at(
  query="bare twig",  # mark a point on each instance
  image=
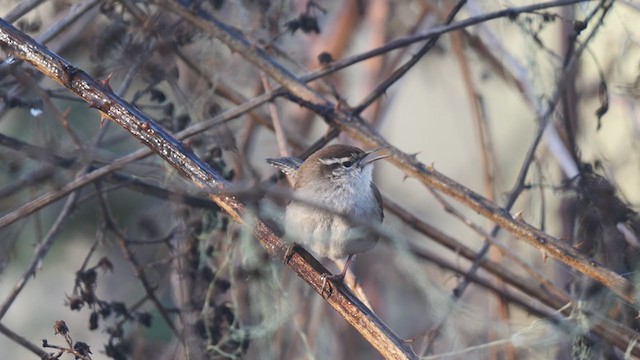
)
(131, 182)
(397, 74)
(278, 129)
(435, 31)
(23, 342)
(41, 251)
(137, 267)
(22, 8)
(119, 163)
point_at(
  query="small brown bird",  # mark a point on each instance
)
(337, 177)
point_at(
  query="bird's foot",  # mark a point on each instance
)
(325, 277)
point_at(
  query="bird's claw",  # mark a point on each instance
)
(331, 277)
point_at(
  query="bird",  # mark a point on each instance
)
(337, 178)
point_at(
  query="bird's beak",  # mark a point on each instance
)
(371, 156)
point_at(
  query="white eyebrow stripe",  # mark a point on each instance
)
(332, 161)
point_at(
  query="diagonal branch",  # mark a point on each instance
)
(401, 71)
(409, 164)
(24, 342)
(100, 96)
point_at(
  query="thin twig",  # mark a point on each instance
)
(119, 163)
(138, 269)
(278, 129)
(23, 342)
(129, 181)
(487, 160)
(435, 31)
(399, 73)
(41, 252)
(22, 8)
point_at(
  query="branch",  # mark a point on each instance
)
(24, 342)
(362, 132)
(401, 71)
(129, 181)
(100, 96)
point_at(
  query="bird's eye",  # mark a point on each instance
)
(347, 164)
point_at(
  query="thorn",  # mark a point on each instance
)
(330, 277)
(105, 82)
(341, 104)
(410, 340)
(414, 156)
(65, 117)
(405, 177)
(324, 278)
(518, 215)
(103, 119)
(545, 256)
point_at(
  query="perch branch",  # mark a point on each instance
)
(100, 96)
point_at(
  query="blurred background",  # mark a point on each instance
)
(135, 258)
